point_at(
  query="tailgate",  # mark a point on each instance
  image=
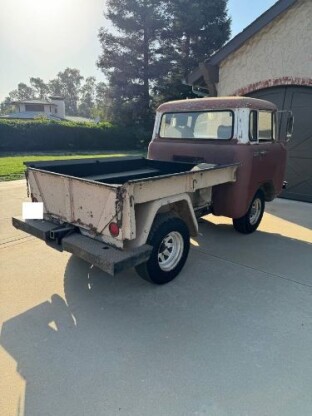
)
(89, 205)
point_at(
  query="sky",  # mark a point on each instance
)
(39, 38)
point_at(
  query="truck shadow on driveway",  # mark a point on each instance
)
(216, 340)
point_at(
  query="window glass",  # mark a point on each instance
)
(265, 123)
(34, 107)
(198, 125)
(253, 128)
(274, 126)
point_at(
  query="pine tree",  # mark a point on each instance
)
(198, 28)
(154, 47)
(134, 58)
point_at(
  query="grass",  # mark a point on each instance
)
(12, 167)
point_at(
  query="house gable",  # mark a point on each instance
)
(279, 54)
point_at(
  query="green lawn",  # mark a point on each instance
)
(11, 167)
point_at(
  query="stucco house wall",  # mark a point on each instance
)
(279, 54)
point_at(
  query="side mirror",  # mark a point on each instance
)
(289, 127)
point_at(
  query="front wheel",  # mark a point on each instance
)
(170, 240)
(251, 220)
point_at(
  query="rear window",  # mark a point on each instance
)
(197, 125)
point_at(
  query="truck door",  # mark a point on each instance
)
(269, 155)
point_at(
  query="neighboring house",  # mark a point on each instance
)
(52, 108)
(272, 59)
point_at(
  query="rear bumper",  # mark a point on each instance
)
(102, 255)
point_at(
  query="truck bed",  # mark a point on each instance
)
(82, 197)
(90, 193)
(113, 170)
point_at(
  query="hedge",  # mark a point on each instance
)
(43, 134)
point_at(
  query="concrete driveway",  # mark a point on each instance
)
(231, 336)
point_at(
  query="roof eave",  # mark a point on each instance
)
(263, 20)
(33, 102)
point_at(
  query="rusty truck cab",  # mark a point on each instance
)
(220, 131)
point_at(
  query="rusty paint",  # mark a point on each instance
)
(120, 196)
(213, 103)
(89, 226)
(93, 229)
(33, 198)
(27, 183)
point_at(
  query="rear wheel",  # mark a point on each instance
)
(170, 240)
(251, 220)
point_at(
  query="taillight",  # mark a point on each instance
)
(113, 229)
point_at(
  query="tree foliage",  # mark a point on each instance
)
(87, 97)
(103, 104)
(40, 88)
(70, 82)
(155, 45)
(135, 58)
(197, 30)
(23, 92)
(82, 98)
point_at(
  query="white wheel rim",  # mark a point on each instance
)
(255, 211)
(170, 251)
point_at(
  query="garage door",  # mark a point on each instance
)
(299, 165)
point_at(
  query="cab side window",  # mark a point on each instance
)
(266, 126)
(262, 126)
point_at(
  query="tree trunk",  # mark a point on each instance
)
(186, 50)
(146, 75)
(146, 96)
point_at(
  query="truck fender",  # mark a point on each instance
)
(268, 190)
(180, 205)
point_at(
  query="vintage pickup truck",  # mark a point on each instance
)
(210, 155)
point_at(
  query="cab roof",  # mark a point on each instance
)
(216, 103)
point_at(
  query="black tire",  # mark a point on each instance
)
(251, 220)
(157, 270)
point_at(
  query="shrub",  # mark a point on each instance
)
(42, 134)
